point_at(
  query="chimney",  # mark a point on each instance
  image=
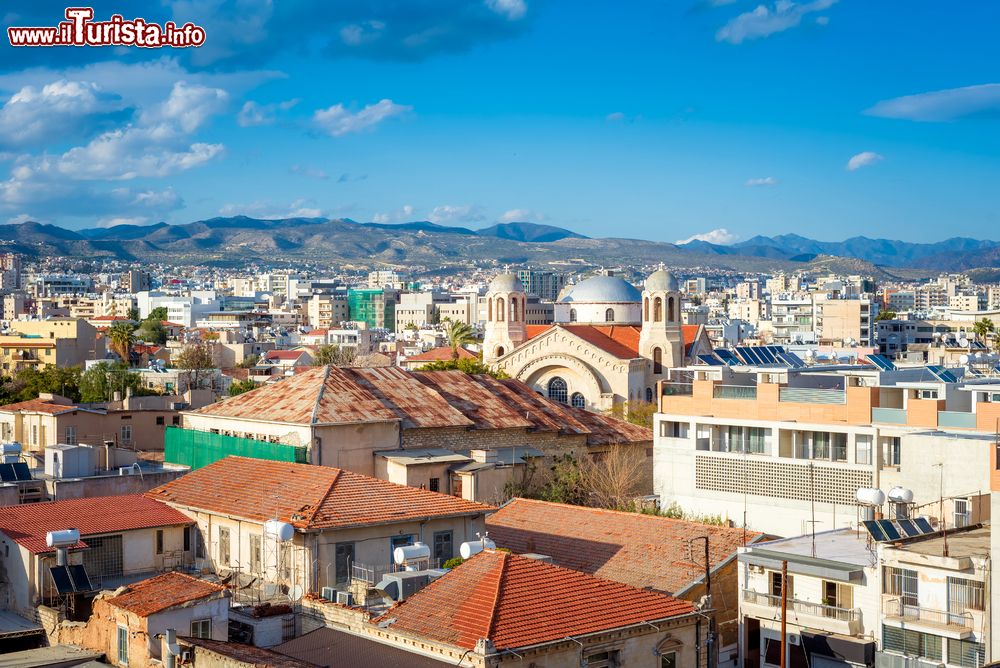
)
(484, 456)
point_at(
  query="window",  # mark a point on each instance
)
(201, 628)
(578, 400)
(645, 309)
(343, 558)
(400, 541)
(605, 659)
(668, 660)
(838, 447)
(175, 420)
(126, 433)
(435, 485)
(670, 309)
(863, 449)
(776, 585)
(893, 451)
(963, 512)
(159, 541)
(572, 315)
(443, 546)
(187, 538)
(657, 360)
(34, 434)
(965, 594)
(199, 544)
(255, 553)
(500, 351)
(558, 389)
(609, 315)
(911, 643)
(160, 419)
(649, 395)
(224, 546)
(500, 309)
(71, 434)
(657, 309)
(513, 309)
(837, 595)
(122, 645)
(900, 582)
(966, 653)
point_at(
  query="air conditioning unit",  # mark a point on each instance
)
(329, 593)
(345, 598)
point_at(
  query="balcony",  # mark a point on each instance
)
(957, 419)
(806, 395)
(673, 389)
(830, 618)
(939, 622)
(746, 392)
(889, 415)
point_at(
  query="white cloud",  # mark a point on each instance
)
(267, 210)
(763, 181)
(123, 220)
(337, 120)
(615, 116)
(521, 215)
(21, 218)
(982, 101)
(863, 159)
(512, 9)
(448, 214)
(404, 213)
(58, 109)
(717, 236)
(253, 113)
(764, 21)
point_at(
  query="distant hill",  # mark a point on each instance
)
(240, 239)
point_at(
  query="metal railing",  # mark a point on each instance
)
(957, 419)
(889, 415)
(895, 607)
(803, 607)
(734, 392)
(684, 389)
(373, 573)
(809, 395)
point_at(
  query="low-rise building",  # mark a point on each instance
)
(53, 342)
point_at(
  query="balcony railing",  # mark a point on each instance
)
(803, 607)
(808, 395)
(889, 415)
(735, 392)
(957, 419)
(896, 608)
(670, 389)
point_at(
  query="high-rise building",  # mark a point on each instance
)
(376, 307)
(137, 281)
(545, 285)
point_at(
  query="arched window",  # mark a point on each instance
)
(489, 310)
(577, 400)
(514, 311)
(500, 351)
(670, 309)
(645, 308)
(500, 309)
(657, 309)
(657, 360)
(609, 315)
(557, 389)
(649, 395)
(572, 315)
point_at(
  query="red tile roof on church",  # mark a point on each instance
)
(622, 341)
(644, 551)
(518, 602)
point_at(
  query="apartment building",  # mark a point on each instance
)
(847, 322)
(546, 285)
(776, 448)
(792, 319)
(57, 341)
(327, 310)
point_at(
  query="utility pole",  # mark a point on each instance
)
(710, 636)
(784, 611)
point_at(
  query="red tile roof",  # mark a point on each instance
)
(441, 354)
(518, 602)
(283, 354)
(640, 550)
(305, 495)
(39, 406)
(622, 341)
(159, 593)
(27, 524)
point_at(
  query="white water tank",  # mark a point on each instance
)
(11, 448)
(901, 495)
(278, 530)
(408, 553)
(64, 538)
(869, 496)
(473, 547)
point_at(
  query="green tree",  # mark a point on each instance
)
(197, 359)
(133, 314)
(152, 331)
(101, 381)
(885, 315)
(241, 386)
(248, 362)
(459, 335)
(159, 313)
(983, 328)
(121, 336)
(335, 355)
(31, 382)
(472, 367)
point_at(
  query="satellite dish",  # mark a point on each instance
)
(295, 593)
(964, 359)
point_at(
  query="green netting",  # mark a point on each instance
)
(201, 448)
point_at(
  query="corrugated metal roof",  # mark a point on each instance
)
(480, 404)
(325, 646)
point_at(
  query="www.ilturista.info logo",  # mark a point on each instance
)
(81, 30)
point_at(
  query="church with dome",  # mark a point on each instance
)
(609, 343)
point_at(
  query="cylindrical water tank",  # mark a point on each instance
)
(12, 448)
(278, 530)
(474, 547)
(901, 495)
(64, 538)
(869, 496)
(414, 552)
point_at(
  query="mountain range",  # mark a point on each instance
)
(344, 242)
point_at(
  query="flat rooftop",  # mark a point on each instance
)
(846, 546)
(969, 543)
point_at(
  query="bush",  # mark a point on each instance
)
(453, 562)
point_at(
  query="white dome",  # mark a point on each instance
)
(661, 279)
(506, 283)
(603, 289)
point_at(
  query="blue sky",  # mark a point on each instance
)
(657, 120)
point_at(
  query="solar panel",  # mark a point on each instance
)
(748, 355)
(923, 525)
(766, 355)
(7, 473)
(711, 360)
(881, 362)
(792, 360)
(60, 576)
(874, 529)
(978, 345)
(727, 356)
(975, 372)
(891, 532)
(997, 368)
(942, 374)
(21, 471)
(81, 581)
(909, 528)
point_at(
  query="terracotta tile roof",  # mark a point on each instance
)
(38, 406)
(165, 591)
(441, 354)
(27, 524)
(644, 551)
(283, 354)
(622, 341)
(519, 602)
(248, 655)
(26, 344)
(305, 495)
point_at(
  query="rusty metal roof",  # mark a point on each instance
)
(410, 400)
(477, 401)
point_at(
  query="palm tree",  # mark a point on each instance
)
(121, 337)
(458, 334)
(983, 328)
